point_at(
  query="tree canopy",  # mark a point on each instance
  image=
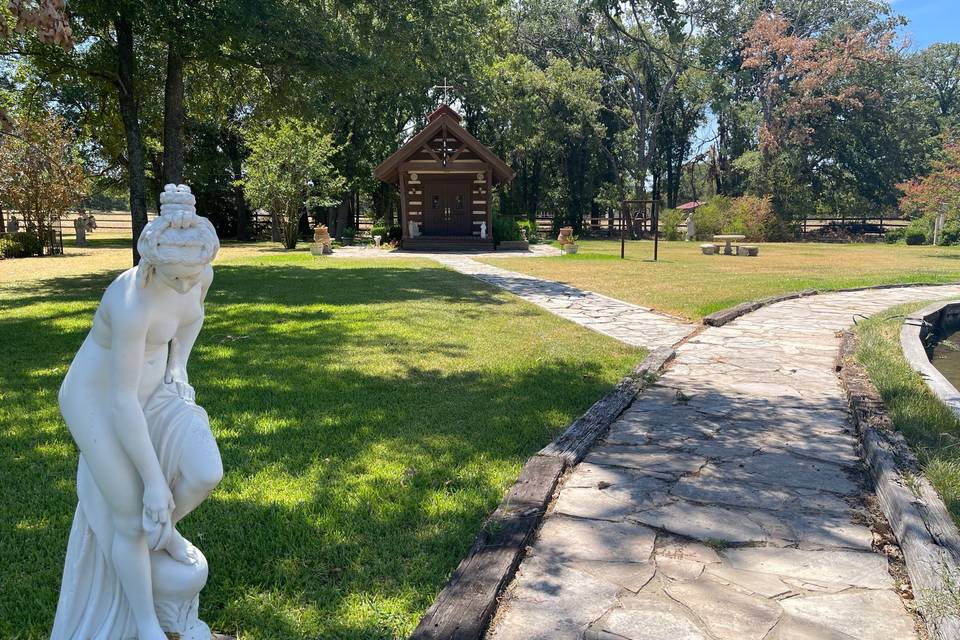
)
(814, 105)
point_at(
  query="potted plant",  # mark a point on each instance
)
(568, 242)
(348, 235)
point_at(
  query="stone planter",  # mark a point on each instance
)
(570, 248)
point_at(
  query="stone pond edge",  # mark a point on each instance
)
(916, 327)
(467, 603)
(722, 317)
(917, 515)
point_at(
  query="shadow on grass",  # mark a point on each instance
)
(367, 419)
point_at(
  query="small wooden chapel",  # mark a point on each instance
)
(446, 179)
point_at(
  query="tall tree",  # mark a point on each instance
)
(938, 70)
(130, 114)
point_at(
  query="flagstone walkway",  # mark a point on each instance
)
(629, 323)
(725, 503)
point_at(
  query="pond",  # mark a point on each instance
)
(946, 357)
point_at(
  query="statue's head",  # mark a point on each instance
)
(178, 245)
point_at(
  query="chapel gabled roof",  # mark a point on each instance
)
(443, 118)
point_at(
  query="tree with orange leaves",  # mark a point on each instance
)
(800, 80)
(41, 176)
(938, 191)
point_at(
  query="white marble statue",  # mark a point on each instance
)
(483, 230)
(414, 229)
(147, 456)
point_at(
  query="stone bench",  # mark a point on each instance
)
(708, 249)
(747, 250)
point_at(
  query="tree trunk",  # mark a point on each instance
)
(343, 215)
(291, 229)
(173, 119)
(243, 214)
(126, 67)
(274, 227)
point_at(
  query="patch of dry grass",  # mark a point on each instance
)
(108, 255)
(685, 282)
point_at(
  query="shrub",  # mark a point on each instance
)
(915, 237)
(753, 217)
(893, 236)
(379, 230)
(395, 234)
(505, 228)
(710, 218)
(531, 227)
(670, 219)
(950, 233)
(917, 232)
(20, 245)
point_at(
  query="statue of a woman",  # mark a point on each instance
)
(147, 456)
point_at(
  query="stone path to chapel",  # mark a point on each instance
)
(725, 503)
(629, 323)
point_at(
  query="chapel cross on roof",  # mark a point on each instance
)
(444, 87)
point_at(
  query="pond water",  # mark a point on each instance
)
(946, 357)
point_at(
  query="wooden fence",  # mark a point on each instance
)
(811, 226)
(861, 226)
(117, 223)
(109, 223)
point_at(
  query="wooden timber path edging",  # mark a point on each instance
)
(464, 607)
(727, 502)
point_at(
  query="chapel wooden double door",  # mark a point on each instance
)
(447, 207)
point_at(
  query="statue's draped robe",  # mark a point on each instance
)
(92, 605)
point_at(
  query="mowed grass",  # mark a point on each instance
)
(928, 425)
(370, 415)
(687, 283)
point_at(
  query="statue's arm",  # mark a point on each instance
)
(127, 353)
(128, 347)
(182, 345)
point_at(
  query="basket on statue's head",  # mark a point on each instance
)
(178, 235)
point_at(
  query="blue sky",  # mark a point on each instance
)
(930, 21)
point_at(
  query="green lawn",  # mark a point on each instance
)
(928, 425)
(370, 415)
(687, 283)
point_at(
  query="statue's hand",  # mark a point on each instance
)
(158, 509)
(186, 392)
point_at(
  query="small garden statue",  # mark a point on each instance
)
(568, 243)
(322, 241)
(483, 230)
(147, 456)
(377, 240)
(414, 229)
(13, 225)
(83, 224)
